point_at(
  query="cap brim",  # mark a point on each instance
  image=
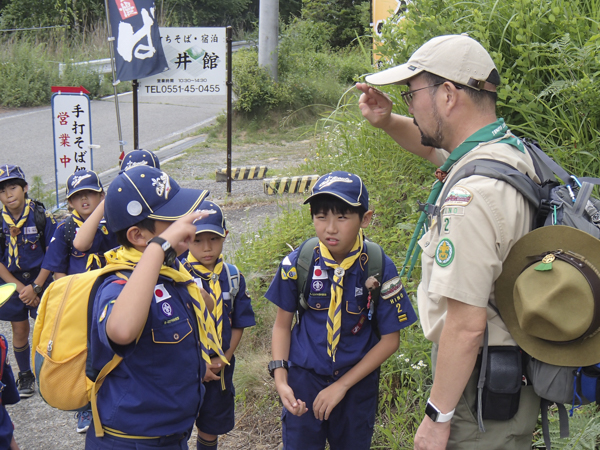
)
(84, 188)
(395, 75)
(341, 197)
(550, 238)
(184, 202)
(205, 228)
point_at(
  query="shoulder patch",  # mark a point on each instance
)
(458, 196)
(453, 210)
(444, 253)
(391, 287)
(292, 275)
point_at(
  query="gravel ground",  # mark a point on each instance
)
(38, 426)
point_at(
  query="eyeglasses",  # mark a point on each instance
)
(408, 95)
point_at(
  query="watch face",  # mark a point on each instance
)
(432, 412)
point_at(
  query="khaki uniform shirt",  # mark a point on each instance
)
(481, 219)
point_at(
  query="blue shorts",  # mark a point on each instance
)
(14, 310)
(217, 413)
(173, 442)
(350, 424)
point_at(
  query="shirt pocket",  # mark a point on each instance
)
(427, 243)
(355, 305)
(172, 333)
(319, 303)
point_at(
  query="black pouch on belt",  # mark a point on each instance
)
(502, 386)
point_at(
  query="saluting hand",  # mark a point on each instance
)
(374, 105)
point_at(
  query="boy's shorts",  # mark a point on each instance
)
(350, 424)
(217, 413)
(14, 310)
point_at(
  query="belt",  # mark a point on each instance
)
(169, 439)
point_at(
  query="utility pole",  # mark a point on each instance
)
(268, 35)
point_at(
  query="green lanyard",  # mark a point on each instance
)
(485, 134)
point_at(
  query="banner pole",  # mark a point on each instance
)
(136, 133)
(229, 112)
(111, 44)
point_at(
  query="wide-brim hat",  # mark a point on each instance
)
(146, 192)
(457, 58)
(548, 295)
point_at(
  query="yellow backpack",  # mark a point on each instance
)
(60, 342)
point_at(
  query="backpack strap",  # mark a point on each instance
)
(563, 420)
(303, 268)
(233, 276)
(2, 237)
(69, 232)
(39, 216)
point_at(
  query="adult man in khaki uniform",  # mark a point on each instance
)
(452, 94)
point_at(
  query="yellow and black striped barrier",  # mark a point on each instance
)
(291, 185)
(242, 173)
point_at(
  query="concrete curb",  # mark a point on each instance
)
(290, 185)
(242, 173)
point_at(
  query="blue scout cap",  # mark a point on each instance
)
(11, 172)
(83, 180)
(343, 185)
(146, 192)
(139, 157)
(214, 222)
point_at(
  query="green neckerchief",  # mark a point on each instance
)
(490, 132)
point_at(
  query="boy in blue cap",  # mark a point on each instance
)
(232, 313)
(84, 194)
(139, 157)
(23, 247)
(155, 317)
(326, 368)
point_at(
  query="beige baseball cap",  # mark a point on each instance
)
(456, 57)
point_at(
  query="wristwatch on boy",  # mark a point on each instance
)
(436, 415)
(277, 365)
(170, 253)
(37, 288)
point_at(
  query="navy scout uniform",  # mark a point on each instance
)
(350, 425)
(31, 255)
(481, 219)
(218, 408)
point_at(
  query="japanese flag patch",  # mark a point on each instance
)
(319, 274)
(160, 293)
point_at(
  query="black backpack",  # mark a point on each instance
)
(39, 212)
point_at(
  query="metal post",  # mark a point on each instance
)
(111, 45)
(268, 35)
(229, 112)
(136, 132)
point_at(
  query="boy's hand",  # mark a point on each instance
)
(215, 365)
(295, 406)
(181, 232)
(328, 399)
(210, 374)
(27, 294)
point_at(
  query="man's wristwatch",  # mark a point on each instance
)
(277, 365)
(170, 253)
(37, 288)
(435, 414)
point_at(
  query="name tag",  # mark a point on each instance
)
(226, 296)
(31, 230)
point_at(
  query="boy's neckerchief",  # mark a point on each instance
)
(498, 132)
(206, 325)
(15, 230)
(334, 315)
(93, 260)
(214, 288)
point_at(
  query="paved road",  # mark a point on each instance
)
(26, 134)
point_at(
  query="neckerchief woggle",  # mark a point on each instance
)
(334, 314)
(15, 230)
(206, 325)
(214, 289)
(485, 134)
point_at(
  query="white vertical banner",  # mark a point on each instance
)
(196, 58)
(72, 126)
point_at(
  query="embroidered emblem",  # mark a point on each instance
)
(391, 288)
(2, 172)
(358, 291)
(319, 274)
(356, 328)
(131, 164)
(163, 185)
(103, 315)
(317, 285)
(412, 68)
(283, 274)
(160, 293)
(292, 275)
(453, 211)
(444, 253)
(167, 310)
(77, 180)
(33, 246)
(330, 180)
(458, 196)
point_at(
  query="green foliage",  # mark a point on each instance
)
(310, 73)
(344, 18)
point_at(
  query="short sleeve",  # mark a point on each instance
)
(57, 256)
(394, 311)
(243, 315)
(283, 290)
(50, 228)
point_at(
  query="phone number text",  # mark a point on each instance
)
(177, 89)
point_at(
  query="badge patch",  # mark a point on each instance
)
(166, 309)
(317, 285)
(444, 253)
(391, 287)
(160, 293)
(103, 315)
(319, 274)
(30, 230)
(33, 246)
(358, 291)
(453, 211)
(286, 261)
(458, 196)
(283, 274)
